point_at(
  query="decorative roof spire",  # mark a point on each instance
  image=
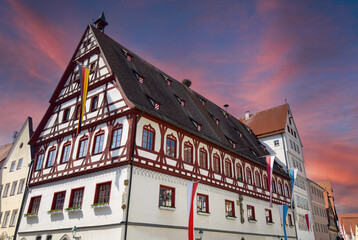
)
(101, 22)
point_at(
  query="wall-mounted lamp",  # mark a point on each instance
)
(201, 233)
(74, 231)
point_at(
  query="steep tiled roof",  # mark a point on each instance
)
(156, 87)
(269, 122)
(4, 151)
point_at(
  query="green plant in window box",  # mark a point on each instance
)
(72, 208)
(54, 211)
(30, 214)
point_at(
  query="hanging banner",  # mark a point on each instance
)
(190, 198)
(269, 164)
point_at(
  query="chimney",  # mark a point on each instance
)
(247, 115)
(186, 82)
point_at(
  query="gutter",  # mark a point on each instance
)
(131, 175)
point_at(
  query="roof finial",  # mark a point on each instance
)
(101, 22)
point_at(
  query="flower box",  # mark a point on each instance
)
(203, 213)
(100, 205)
(55, 211)
(30, 215)
(167, 208)
(73, 209)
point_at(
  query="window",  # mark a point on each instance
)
(181, 101)
(203, 203)
(94, 103)
(66, 115)
(116, 137)
(12, 168)
(289, 217)
(51, 157)
(38, 237)
(98, 142)
(19, 164)
(1, 186)
(13, 218)
(76, 198)
(6, 190)
(216, 163)
(251, 213)
(40, 159)
(58, 200)
(128, 56)
(265, 182)
(257, 179)
(273, 185)
(239, 172)
(21, 186)
(49, 237)
(66, 152)
(203, 158)
(279, 187)
(228, 171)
(268, 215)
(276, 143)
(6, 218)
(13, 188)
(166, 197)
(188, 153)
(248, 176)
(92, 67)
(287, 191)
(171, 146)
(229, 208)
(148, 138)
(82, 147)
(34, 205)
(196, 124)
(103, 192)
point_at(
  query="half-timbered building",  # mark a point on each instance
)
(144, 137)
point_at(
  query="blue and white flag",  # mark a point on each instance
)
(293, 175)
(283, 209)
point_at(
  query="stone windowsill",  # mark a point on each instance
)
(231, 217)
(104, 205)
(204, 213)
(252, 221)
(167, 208)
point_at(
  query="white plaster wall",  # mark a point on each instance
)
(88, 216)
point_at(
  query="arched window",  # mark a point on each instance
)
(228, 171)
(82, 147)
(287, 191)
(248, 176)
(239, 172)
(203, 158)
(216, 163)
(257, 179)
(116, 136)
(148, 137)
(265, 182)
(188, 152)
(51, 156)
(273, 185)
(171, 145)
(279, 187)
(66, 152)
(98, 142)
(39, 160)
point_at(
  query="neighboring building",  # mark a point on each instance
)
(350, 222)
(277, 131)
(13, 180)
(320, 219)
(331, 209)
(145, 136)
(4, 150)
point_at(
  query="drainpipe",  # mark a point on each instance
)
(131, 174)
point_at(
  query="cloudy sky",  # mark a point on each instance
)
(251, 55)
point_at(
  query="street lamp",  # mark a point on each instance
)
(201, 233)
(74, 231)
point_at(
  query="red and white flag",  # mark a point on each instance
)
(269, 164)
(191, 196)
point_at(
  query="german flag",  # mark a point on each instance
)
(84, 73)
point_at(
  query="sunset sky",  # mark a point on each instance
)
(250, 55)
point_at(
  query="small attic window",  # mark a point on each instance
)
(92, 67)
(233, 144)
(128, 56)
(253, 152)
(238, 132)
(167, 80)
(155, 104)
(86, 42)
(197, 125)
(76, 77)
(181, 101)
(139, 77)
(217, 121)
(203, 102)
(223, 112)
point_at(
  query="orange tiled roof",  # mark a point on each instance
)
(4, 151)
(268, 122)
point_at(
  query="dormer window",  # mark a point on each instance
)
(181, 101)
(197, 125)
(224, 112)
(238, 132)
(167, 80)
(217, 121)
(155, 104)
(253, 152)
(128, 56)
(139, 77)
(203, 102)
(233, 144)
